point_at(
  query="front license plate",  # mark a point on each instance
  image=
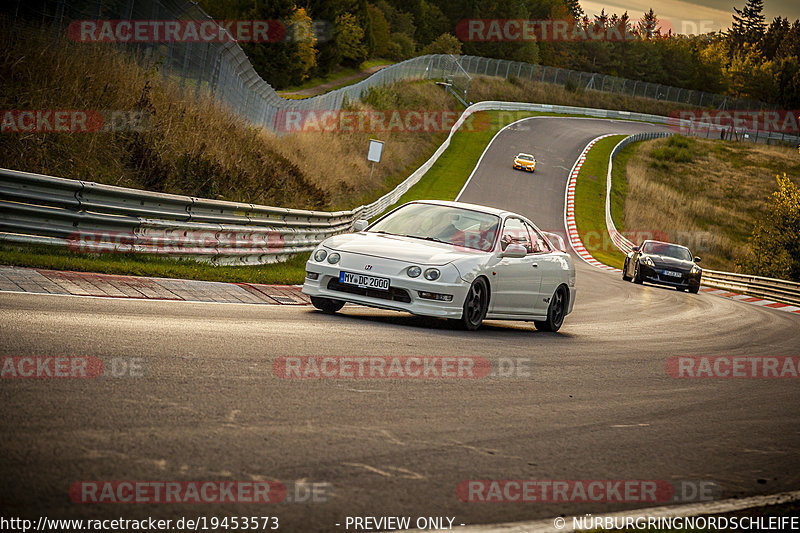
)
(672, 273)
(363, 281)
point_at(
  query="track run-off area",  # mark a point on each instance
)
(594, 401)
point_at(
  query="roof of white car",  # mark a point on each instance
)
(474, 207)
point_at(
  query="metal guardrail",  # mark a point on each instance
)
(761, 287)
(93, 217)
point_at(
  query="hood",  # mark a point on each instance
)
(670, 262)
(406, 249)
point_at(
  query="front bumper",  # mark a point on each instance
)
(527, 168)
(656, 275)
(403, 293)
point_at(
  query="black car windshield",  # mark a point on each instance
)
(451, 225)
(667, 250)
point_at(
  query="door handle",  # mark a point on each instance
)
(535, 265)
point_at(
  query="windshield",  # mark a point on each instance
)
(525, 157)
(452, 225)
(667, 250)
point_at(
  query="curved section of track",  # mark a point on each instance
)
(597, 402)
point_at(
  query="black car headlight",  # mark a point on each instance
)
(696, 269)
(647, 261)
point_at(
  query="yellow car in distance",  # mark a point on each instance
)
(525, 162)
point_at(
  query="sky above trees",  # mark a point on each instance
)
(675, 12)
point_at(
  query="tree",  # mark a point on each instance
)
(774, 36)
(275, 62)
(380, 31)
(401, 47)
(430, 24)
(574, 8)
(348, 37)
(749, 75)
(648, 26)
(748, 24)
(774, 246)
(301, 30)
(446, 43)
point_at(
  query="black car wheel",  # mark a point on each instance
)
(694, 289)
(326, 305)
(637, 274)
(625, 276)
(476, 304)
(555, 312)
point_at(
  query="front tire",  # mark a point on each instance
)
(476, 304)
(637, 274)
(694, 289)
(556, 312)
(326, 305)
(625, 276)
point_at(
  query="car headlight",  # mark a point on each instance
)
(413, 271)
(334, 258)
(432, 274)
(696, 269)
(320, 255)
(647, 261)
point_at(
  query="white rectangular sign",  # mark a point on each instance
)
(375, 151)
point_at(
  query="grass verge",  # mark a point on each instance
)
(288, 273)
(590, 201)
(703, 193)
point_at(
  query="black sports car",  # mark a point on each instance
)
(663, 263)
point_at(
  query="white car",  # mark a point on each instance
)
(446, 259)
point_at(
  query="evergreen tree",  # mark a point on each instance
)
(574, 8)
(748, 24)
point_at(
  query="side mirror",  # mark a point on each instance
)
(696, 259)
(514, 251)
(360, 224)
(636, 248)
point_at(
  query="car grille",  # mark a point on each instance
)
(394, 294)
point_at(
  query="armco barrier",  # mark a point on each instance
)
(93, 216)
(49, 210)
(767, 288)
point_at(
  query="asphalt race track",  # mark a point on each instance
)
(596, 403)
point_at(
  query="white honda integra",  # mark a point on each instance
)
(446, 259)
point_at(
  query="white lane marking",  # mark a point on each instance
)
(692, 509)
(404, 473)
